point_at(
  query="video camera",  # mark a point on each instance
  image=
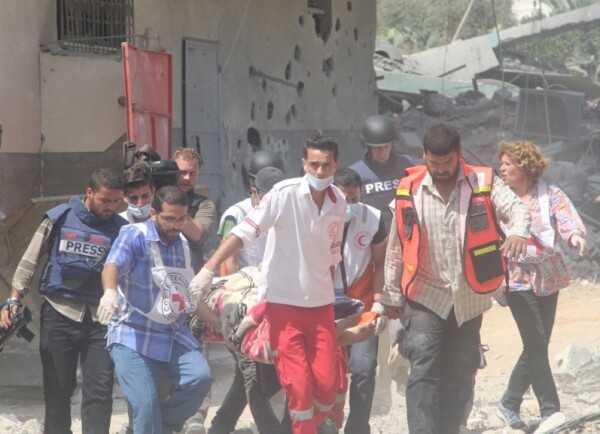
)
(163, 172)
(18, 326)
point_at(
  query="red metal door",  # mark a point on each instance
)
(148, 89)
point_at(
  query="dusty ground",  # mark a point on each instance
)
(577, 324)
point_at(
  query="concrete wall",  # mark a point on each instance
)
(278, 39)
(22, 26)
(83, 124)
(65, 108)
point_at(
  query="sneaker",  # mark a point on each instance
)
(549, 423)
(511, 418)
(195, 427)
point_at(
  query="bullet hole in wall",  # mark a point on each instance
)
(338, 25)
(322, 16)
(270, 110)
(297, 53)
(288, 71)
(300, 88)
(254, 139)
(328, 66)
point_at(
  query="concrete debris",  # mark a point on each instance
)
(9, 424)
(506, 115)
(466, 59)
(571, 359)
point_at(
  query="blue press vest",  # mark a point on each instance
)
(379, 183)
(78, 251)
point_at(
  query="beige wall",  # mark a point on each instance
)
(22, 26)
(80, 108)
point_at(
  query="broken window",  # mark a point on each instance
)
(321, 13)
(94, 26)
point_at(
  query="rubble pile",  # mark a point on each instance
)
(9, 424)
(484, 122)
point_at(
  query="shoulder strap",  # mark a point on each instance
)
(57, 212)
(364, 170)
(342, 265)
(56, 216)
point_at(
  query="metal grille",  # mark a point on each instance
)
(94, 26)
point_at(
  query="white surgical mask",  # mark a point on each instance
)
(351, 210)
(139, 212)
(317, 183)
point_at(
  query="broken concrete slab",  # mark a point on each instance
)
(571, 359)
(408, 86)
(465, 59)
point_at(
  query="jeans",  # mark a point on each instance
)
(444, 358)
(188, 373)
(64, 343)
(200, 414)
(362, 362)
(534, 316)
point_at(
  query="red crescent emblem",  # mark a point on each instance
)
(332, 229)
(362, 239)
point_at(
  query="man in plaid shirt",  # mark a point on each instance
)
(441, 312)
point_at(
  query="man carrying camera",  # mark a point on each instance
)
(77, 237)
(202, 212)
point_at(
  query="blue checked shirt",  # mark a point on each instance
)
(131, 254)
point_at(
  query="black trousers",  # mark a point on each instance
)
(534, 316)
(444, 358)
(64, 343)
(246, 389)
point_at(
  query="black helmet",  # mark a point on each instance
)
(265, 158)
(378, 130)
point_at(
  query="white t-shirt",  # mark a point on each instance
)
(302, 245)
(357, 247)
(251, 255)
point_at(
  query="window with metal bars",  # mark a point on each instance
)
(94, 26)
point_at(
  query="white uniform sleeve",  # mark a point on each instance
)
(260, 219)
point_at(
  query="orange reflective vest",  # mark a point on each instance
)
(362, 289)
(484, 265)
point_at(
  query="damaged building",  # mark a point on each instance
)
(483, 88)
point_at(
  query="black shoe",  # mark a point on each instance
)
(328, 427)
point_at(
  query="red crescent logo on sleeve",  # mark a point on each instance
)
(332, 229)
(362, 240)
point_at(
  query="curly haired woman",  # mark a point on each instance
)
(535, 280)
